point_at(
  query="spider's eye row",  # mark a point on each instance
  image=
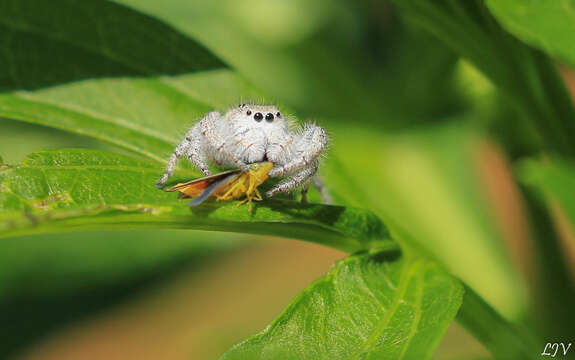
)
(258, 117)
(248, 113)
(269, 117)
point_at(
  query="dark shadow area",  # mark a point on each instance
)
(326, 214)
(386, 256)
(46, 43)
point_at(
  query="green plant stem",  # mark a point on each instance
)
(503, 339)
(553, 290)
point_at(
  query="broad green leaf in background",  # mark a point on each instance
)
(87, 189)
(369, 306)
(547, 25)
(50, 43)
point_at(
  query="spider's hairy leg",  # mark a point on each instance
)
(308, 146)
(210, 131)
(294, 181)
(190, 146)
(195, 151)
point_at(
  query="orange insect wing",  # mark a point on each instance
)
(195, 187)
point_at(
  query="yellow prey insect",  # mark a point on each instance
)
(227, 185)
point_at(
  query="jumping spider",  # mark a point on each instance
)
(251, 133)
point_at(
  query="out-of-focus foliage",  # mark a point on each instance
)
(50, 281)
(547, 25)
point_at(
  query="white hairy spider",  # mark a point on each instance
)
(252, 133)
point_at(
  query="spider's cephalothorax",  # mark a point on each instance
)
(253, 133)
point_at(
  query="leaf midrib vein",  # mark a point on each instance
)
(402, 288)
(417, 317)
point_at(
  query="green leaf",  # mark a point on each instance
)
(49, 43)
(547, 25)
(85, 189)
(369, 306)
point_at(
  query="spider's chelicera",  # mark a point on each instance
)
(249, 134)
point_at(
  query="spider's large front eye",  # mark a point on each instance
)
(258, 117)
(269, 117)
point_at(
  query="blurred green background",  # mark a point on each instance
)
(413, 126)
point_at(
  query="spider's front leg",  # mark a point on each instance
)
(190, 146)
(296, 180)
(211, 132)
(307, 146)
